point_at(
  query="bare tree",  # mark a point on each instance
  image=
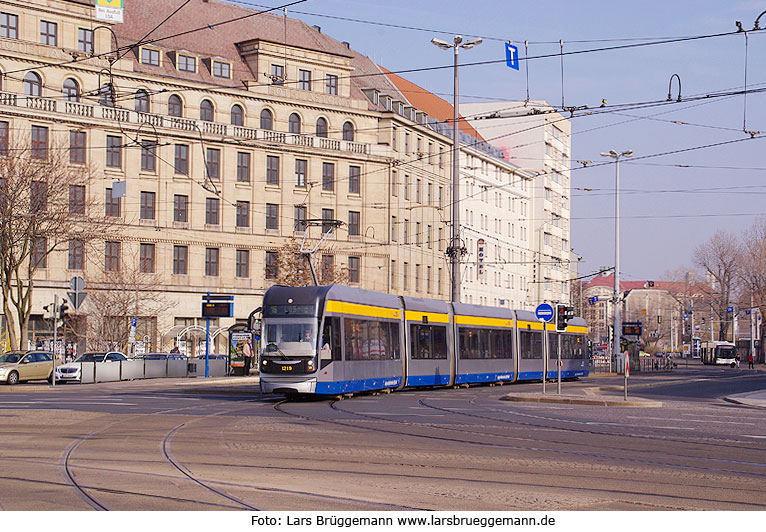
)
(294, 271)
(719, 257)
(44, 205)
(753, 270)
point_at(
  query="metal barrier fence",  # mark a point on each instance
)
(645, 365)
(128, 370)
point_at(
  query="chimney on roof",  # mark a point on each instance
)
(318, 28)
(346, 44)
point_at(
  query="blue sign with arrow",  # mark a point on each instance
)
(511, 56)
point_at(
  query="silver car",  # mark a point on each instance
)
(72, 372)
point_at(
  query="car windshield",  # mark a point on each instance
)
(11, 357)
(91, 357)
(155, 356)
(290, 337)
(726, 352)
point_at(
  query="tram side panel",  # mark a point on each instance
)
(485, 344)
(429, 344)
(530, 346)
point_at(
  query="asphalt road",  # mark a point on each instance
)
(173, 445)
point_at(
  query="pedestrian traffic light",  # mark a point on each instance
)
(49, 312)
(62, 310)
(563, 315)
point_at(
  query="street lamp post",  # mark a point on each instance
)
(616, 340)
(455, 250)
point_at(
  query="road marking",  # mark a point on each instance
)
(693, 420)
(754, 436)
(391, 414)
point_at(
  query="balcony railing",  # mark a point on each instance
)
(85, 110)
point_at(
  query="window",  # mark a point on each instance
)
(237, 115)
(181, 163)
(417, 191)
(221, 69)
(212, 261)
(213, 162)
(38, 196)
(300, 172)
(33, 84)
(77, 199)
(428, 341)
(348, 131)
(112, 204)
(272, 170)
(326, 269)
(417, 233)
(328, 177)
(76, 255)
(353, 223)
(142, 101)
(328, 216)
(71, 90)
(394, 143)
(206, 111)
(243, 263)
(294, 124)
(406, 231)
(148, 155)
(393, 229)
(405, 269)
(211, 211)
(9, 26)
(272, 216)
(393, 274)
(243, 167)
(321, 130)
(304, 80)
(180, 260)
(429, 188)
(39, 258)
(187, 63)
(394, 184)
(146, 261)
(112, 256)
(106, 95)
(331, 84)
(147, 205)
(4, 138)
(175, 106)
(48, 32)
(300, 218)
(272, 265)
(441, 197)
(77, 147)
(243, 214)
(150, 57)
(267, 120)
(353, 269)
(277, 75)
(39, 142)
(180, 208)
(406, 187)
(354, 173)
(428, 237)
(113, 151)
(406, 142)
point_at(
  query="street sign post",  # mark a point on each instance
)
(216, 306)
(544, 313)
(627, 372)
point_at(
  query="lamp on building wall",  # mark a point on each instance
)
(455, 251)
(617, 324)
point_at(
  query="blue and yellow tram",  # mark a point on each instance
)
(333, 340)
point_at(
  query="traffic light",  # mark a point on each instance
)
(563, 315)
(62, 310)
(49, 312)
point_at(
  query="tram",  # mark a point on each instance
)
(719, 353)
(333, 340)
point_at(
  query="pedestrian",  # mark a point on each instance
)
(247, 352)
(736, 359)
(750, 361)
(175, 349)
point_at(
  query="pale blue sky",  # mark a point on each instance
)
(703, 199)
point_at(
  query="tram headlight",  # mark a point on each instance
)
(310, 365)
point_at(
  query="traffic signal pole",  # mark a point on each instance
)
(55, 336)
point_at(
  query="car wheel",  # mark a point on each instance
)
(13, 378)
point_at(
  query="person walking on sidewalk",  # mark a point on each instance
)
(247, 352)
(750, 361)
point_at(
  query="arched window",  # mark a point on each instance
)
(295, 123)
(237, 115)
(206, 111)
(106, 95)
(348, 131)
(175, 106)
(267, 119)
(71, 90)
(33, 85)
(142, 101)
(321, 127)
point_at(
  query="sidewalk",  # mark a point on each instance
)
(755, 399)
(588, 397)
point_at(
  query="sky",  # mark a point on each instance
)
(670, 203)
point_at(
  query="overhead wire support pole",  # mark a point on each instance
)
(307, 252)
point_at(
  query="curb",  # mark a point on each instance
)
(580, 401)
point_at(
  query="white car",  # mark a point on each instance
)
(72, 372)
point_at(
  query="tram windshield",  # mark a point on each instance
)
(290, 337)
(726, 351)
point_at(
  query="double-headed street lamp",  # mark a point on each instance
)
(617, 323)
(455, 250)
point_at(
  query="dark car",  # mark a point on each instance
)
(164, 356)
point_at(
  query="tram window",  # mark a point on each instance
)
(496, 342)
(420, 336)
(373, 347)
(508, 342)
(351, 334)
(469, 343)
(440, 342)
(531, 344)
(371, 339)
(553, 346)
(394, 331)
(331, 350)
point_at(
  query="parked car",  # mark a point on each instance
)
(163, 356)
(20, 366)
(72, 371)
